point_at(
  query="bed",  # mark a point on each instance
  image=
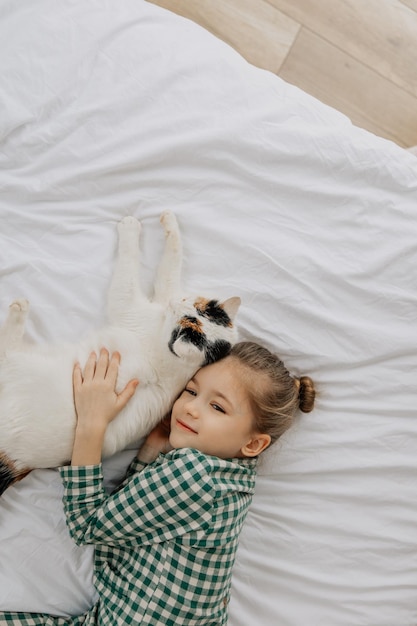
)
(118, 108)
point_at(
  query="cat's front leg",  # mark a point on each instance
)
(125, 291)
(11, 333)
(168, 277)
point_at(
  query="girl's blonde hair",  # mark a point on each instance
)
(275, 395)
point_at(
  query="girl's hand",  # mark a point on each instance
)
(95, 397)
(157, 441)
(96, 403)
(159, 436)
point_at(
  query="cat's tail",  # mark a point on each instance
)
(9, 473)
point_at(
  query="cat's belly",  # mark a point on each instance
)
(37, 416)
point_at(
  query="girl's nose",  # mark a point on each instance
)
(192, 408)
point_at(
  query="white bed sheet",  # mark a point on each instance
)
(116, 108)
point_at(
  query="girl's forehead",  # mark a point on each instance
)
(217, 369)
(227, 373)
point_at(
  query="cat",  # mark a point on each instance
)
(162, 343)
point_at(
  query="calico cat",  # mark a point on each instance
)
(162, 342)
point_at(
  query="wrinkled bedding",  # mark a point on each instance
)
(118, 108)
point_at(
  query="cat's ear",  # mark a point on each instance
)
(231, 306)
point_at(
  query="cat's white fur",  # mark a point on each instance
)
(37, 416)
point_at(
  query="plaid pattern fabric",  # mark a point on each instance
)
(165, 540)
(38, 619)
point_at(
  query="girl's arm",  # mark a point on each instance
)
(167, 499)
(164, 501)
(96, 404)
(155, 443)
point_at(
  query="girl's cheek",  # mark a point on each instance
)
(174, 409)
(177, 403)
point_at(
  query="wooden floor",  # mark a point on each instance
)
(358, 56)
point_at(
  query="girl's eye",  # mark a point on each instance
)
(217, 407)
(190, 391)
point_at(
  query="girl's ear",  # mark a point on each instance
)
(256, 445)
(231, 306)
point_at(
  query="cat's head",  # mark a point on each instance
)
(204, 327)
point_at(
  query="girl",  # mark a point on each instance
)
(166, 540)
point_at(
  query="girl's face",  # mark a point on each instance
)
(213, 414)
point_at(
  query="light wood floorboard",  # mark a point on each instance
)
(410, 3)
(381, 34)
(358, 56)
(238, 24)
(314, 64)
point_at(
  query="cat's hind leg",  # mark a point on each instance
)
(13, 328)
(168, 277)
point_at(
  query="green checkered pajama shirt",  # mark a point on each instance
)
(165, 540)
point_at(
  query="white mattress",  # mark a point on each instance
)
(116, 108)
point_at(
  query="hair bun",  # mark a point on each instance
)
(306, 394)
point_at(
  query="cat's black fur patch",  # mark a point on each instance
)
(189, 329)
(216, 350)
(213, 311)
(7, 475)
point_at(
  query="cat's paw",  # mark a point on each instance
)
(18, 310)
(18, 306)
(129, 224)
(169, 222)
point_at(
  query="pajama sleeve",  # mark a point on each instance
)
(134, 467)
(163, 501)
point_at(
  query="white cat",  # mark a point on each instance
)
(162, 343)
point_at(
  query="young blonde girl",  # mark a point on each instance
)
(166, 540)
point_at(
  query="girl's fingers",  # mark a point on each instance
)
(77, 377)
(113, 368)
(102, 368)
(99, 367)
(90, 366)
(102, 363)
(125, 395)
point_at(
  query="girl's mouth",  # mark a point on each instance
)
(185, 427)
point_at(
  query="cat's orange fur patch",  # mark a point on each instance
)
(201, 304)
(208, 307)
(193, 323)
